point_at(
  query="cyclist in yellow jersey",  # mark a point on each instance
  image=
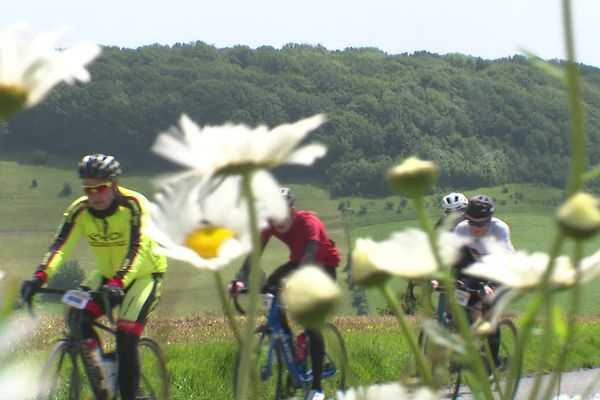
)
(112, 220)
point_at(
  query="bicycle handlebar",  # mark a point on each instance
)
(95, 294)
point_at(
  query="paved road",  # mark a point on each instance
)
(584, 382)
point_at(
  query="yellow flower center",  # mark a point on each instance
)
(13, 99)
(206, 242)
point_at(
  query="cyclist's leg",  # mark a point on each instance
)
(140, 299)
(317, 355)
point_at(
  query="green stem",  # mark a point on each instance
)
(253, 290)
(541, 298)
(460, 317)
(578, 136)
(229, 313)
(570, 329)
(406, 331)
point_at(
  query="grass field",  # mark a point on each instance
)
(201, 354)
(30, 216)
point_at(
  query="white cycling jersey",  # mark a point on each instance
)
(497, 230)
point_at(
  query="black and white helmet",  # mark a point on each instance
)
(287, 194)
(98, 166)
(454, 202)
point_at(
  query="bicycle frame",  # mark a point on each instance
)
(283, 341)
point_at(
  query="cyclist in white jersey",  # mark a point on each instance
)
(479, 226)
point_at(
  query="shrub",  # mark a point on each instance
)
(363, 209)
(389, 205)
(504, 189)
(69, 276)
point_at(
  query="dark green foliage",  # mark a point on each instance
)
(69, 276)
(505, 189)
(39, 157)
(363, 209)
(483, 122)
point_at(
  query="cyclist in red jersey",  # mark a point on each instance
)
(305, 235)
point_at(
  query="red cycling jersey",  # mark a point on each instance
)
(306, 226)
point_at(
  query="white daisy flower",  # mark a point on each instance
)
(207, 225)
(232, 148)
(521, 270)
(408, 254)
(387, 391)
(30, 66)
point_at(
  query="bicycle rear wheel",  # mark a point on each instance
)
(501, 379)
(154, 378)
(335, 363)
(61, 375)
(267, 366)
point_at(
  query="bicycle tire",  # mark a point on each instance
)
(445, 367)
(60, 377)
(267, 365)
(335, 363)
(154, 377)
(508, 341)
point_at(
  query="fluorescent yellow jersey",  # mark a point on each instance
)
(116, 236)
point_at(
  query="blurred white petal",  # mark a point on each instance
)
(408, 253)
(212, 150)
(521, 270)
(29, 61)
(387, 391)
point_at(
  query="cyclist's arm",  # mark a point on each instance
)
(65, 241)
(130, 265)
(504, 237)
(309, 254)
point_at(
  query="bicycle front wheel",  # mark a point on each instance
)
(267, 367)
(335, 363)
(446, 368)
(507, 372)
(60, 377)
(154, 378)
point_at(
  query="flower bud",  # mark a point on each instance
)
(413, 177)
(579, 216)
(364, 272)
(310, 294)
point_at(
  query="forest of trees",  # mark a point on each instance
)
(483, 122)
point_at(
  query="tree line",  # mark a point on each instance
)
(484, 122)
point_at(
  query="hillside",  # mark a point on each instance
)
(486, 123)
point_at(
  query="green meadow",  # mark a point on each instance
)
(200, 351)
(30, 217)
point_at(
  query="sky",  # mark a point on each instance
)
(489, 29)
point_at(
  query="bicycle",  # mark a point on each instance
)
(448, 367)
(70, 364)
(284, 368)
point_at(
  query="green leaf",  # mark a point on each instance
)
(559, 323)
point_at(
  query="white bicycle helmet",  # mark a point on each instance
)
(454, 202)
(287, 194)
